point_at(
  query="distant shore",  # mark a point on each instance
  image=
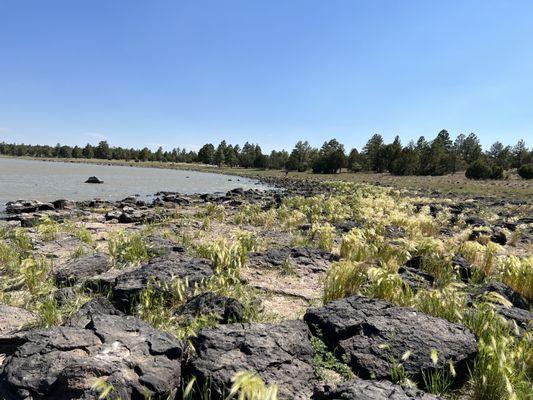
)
(455, 184)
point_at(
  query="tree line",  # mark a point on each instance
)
(438, 156)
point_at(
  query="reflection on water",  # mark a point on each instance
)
(47, 181)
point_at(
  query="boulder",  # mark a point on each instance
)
(475, 221)
(79, 269)
(113, 215)
(27, 206)
(515, 298)
(370, 333)
(347, 226)
(64, 295)
(161, 271)
(13, 322)
(236, 192)
(93, 179)
(394, 232)
(522, 318)
(64, 362)
(462, 265)
(359, 389)
(131, 215)
(412, 274)
(226, 309)
(26, 220)
(98, 305)
(498, 236)
(159, 246)
(63, 204)
(414, 278)
(279, 354)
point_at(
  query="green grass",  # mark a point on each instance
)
(127, 248)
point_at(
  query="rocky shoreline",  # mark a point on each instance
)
(387, 343)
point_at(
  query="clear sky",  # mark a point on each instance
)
(183, 73)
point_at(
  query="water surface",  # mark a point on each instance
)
(48, 181)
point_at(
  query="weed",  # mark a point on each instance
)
(215, 211)
(388, 286)
(84, 235)
(398, 373)
(517, 273)
(127, 248)
(447, 303)
(157, 302)
(250, 386)
(287, 268)
(343, 279)
(324, 360)
(22, 240)
(48, 228)
(438, 381)
(48, 312)
(324, 234)
(35, 275)
(78, 252)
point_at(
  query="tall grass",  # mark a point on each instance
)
(518, 274)
(127, 248)
(344, 279)
(324, 234)
(48, 228)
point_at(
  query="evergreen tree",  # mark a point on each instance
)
(331, 158)
(219, 157)
(470, 148)
(231, 156)
(278, 159)
(373, 152)
(102, 150)
(355, 161)
(88, 151)
(500, 155)
(206, 154)
(300, 158)
(520, 154)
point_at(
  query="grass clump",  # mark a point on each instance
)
(344, 279)
(250, 386)
(440, 380)
(48, 228)
(448, 303)
(518, 274)
(503, 368)
(386, 285)
(324, 235)
(127, 248)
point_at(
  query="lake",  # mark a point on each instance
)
(48, 181)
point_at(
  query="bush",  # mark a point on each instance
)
(497, 172)
(526, 171)
(480, 169)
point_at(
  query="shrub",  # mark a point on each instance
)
(480, 169)
(526, 171)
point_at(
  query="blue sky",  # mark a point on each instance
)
(183, 73)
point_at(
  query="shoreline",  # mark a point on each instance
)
(448, 185)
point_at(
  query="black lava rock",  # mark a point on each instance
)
(370, 333)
